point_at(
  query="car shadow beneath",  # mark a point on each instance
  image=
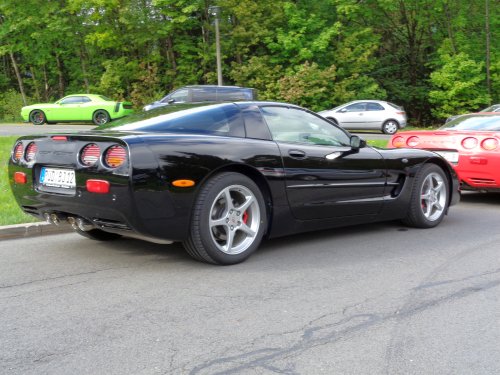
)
(480, 197)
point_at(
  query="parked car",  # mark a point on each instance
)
(80, 107)
(491, 109)
(368, 115)
(220, 177)
(205, 93)
(471, 143)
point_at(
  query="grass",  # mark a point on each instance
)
(10, 213)
(377, 142)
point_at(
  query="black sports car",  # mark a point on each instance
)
(220, 177)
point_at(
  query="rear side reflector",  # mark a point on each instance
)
(18, 152)
(183, 183)
(20, 178)
(98, 186)
(31, 152)
(90, 154)
(115, 156)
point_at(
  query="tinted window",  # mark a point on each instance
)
(205, 94)
(226, 94)
(218, 120)
(298, 126)
(178, 96)
(374, 107)
(71, 100)
(399, 108)
(356, 107)
(491, 123)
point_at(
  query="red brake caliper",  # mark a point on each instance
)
(245, 217)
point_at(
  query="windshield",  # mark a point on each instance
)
(474, 122)
(493, 108)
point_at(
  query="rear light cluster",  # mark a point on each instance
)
(469, 143)
(28, 153)
(113, 157)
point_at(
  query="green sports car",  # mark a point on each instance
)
(81, 107)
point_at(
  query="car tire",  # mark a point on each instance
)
(390, 127)
(214, 217)
(429, 198)
(37, 117)
(100, 117)
(98, 235)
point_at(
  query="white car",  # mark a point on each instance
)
(368, 115)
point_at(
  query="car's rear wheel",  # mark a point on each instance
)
(390, 127)
(429, 198)
(100, 117)
(37, 117)
(228, 220)
(98, 235)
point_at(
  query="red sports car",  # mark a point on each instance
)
(471, 143)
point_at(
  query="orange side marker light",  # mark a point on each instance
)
(183, 183)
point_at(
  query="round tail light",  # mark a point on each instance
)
(90, 154)
(18, 151)
(469, 143)
(398, 142)
(489, 144)
(31, 152)
(115, 156)
(413, 141)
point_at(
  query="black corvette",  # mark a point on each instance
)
(221, 177)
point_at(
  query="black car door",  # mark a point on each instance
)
(325, 177)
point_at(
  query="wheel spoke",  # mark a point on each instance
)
(218, 222)
(245, 228)
(229, 200)
(248, 202)
(229, 240)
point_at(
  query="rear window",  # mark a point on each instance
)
(215, 119)
(105, 98)
(475, 122)
(396, 106)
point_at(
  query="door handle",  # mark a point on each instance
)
(297, 154)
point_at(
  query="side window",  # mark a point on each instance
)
(179, 96)
(299, 126)
(356, 107)
(374, 107)
(71, 100)
(230, 94)
(86, 99)
(205, 94)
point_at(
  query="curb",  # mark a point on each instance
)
(32, 230)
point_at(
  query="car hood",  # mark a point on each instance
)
(41, 105)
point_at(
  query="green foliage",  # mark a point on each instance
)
(10, 106)
(316, 53)
(458, 86)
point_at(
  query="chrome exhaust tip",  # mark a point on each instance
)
(83, 225)
(54, 219)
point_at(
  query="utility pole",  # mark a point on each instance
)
(215, 11)
(488, 36)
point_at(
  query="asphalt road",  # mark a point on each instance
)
(27, 129)
(376, 299)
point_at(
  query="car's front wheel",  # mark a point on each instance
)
(390, 127)
(429, 198)
(37, 117)
(228, 220)
(100, 117)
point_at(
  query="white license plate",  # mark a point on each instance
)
(451, 156)
(60, 178)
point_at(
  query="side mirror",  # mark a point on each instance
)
(170, 101)
(343, 110)
(357, 142)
